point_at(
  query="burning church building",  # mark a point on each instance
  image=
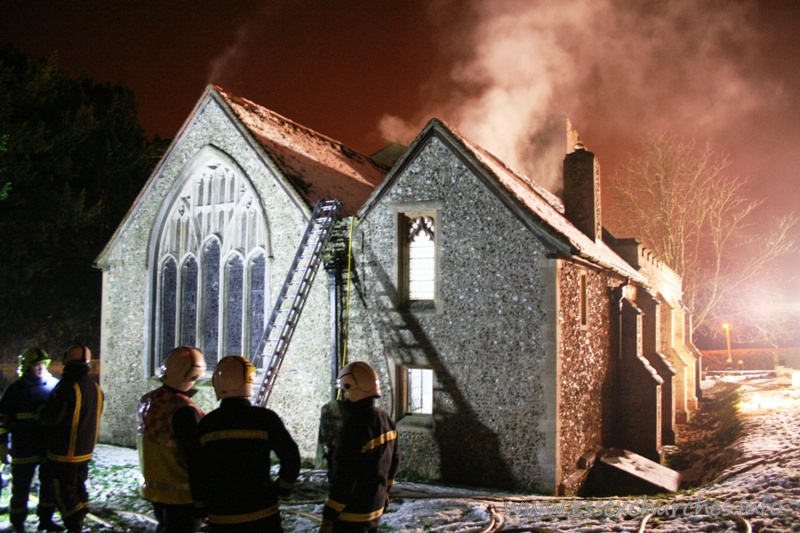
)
(514, 337)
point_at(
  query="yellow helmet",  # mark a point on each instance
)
(31, 356)
(183, 366)
(359, 381)
(234, 377)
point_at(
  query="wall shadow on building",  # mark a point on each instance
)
(469, 451)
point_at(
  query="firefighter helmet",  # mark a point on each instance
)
(359, 381)
(234, 377)
(182, 367)
(77, 352)
(30, 357)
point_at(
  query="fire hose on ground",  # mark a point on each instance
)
(495, 522)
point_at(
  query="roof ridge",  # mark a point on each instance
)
(278, 118)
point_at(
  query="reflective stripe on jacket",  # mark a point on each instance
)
(232, 474)
(363, 465)
(20, 406)
(73, 414)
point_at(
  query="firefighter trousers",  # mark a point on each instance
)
(72, 499)
(21, 481)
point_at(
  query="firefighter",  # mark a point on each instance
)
(236, 439)
(20, 406)
(365, 457)
(73, 416)
(166, 440)
(330, 422)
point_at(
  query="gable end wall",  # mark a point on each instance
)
(488, 345)
(127, 306)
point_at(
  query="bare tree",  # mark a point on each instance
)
(678, 199)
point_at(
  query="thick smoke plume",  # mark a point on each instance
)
(626, 67)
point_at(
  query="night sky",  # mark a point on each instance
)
(363, 72)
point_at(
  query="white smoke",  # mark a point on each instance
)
(628, 67)
(233, 58)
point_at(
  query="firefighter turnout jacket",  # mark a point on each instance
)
(73, 416)
(21, 407)
(167, 421)
(233, 475)
(363, 466)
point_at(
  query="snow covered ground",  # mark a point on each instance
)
(762, 485)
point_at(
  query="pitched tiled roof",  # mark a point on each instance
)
(317, 166)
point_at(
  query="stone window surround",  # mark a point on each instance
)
(402, 211)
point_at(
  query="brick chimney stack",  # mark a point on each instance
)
(581, 193)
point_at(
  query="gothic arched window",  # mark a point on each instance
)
(234, 300)
(210, 305)
(167, 294)
(189, 302)
(206, 294)
(256, 309)
(418, 259)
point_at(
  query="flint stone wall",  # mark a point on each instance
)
(586, 363)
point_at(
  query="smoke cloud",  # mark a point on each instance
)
(233, 59)
(624, 67)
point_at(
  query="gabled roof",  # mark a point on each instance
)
(317, 166)
(542, 211)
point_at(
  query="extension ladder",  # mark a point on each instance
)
(283, 320)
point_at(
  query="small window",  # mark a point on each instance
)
(584, 302)
(418, 255)
(421, 259)
(419, 391)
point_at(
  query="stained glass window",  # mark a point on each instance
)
(189, 303)
(234, 305)
(211, 302)
(257, 309)
(169, 291)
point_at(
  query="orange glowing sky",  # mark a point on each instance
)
(361, 71)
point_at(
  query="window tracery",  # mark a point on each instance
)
(215, 300)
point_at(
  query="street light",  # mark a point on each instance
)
(727, 328)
